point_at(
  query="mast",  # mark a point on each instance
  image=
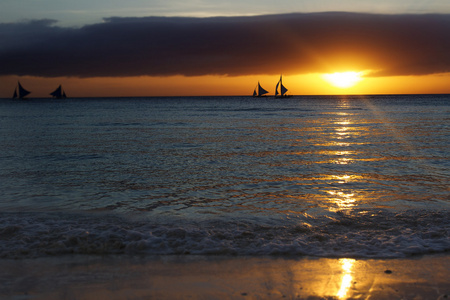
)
(281, 83)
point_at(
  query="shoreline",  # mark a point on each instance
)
(224, 277)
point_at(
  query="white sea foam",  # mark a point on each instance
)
(380, 234)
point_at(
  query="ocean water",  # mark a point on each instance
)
(328, 176)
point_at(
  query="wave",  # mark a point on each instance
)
(367, 234)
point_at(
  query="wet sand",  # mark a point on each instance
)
(205, 277)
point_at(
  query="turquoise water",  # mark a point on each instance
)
(358, 176)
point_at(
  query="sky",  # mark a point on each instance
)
(198, 47)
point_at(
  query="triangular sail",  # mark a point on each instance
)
(22, 92)
(15, 93)
(261, 91)
(276, 88)
(57, 93)
(283, 90)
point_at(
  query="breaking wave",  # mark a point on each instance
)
(374, 234)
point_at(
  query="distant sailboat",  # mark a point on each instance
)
(20, 92)
(58, 93)
(259, 91)
(282, 89)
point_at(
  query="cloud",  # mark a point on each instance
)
(271, 44)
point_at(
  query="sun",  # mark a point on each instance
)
(343, 80)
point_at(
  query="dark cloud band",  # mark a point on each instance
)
(290, 43)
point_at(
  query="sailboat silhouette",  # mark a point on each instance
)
(58, 93)
(259, 91)
(282, 88)
(20, 92)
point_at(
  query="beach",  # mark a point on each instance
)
(224, 277)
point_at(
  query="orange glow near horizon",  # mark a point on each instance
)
(307, 84)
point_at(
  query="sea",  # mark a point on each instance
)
(324, 176)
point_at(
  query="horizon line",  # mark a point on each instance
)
(250, 96)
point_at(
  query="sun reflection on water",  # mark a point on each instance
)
(344, 200)
(347, 277)
(343, 131)
(345, 135)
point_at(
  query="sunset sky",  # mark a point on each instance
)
(195, 47)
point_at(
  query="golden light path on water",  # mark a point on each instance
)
(338, 138)
(347, 277)
(344, 199)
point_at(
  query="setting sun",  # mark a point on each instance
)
(343, 80)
